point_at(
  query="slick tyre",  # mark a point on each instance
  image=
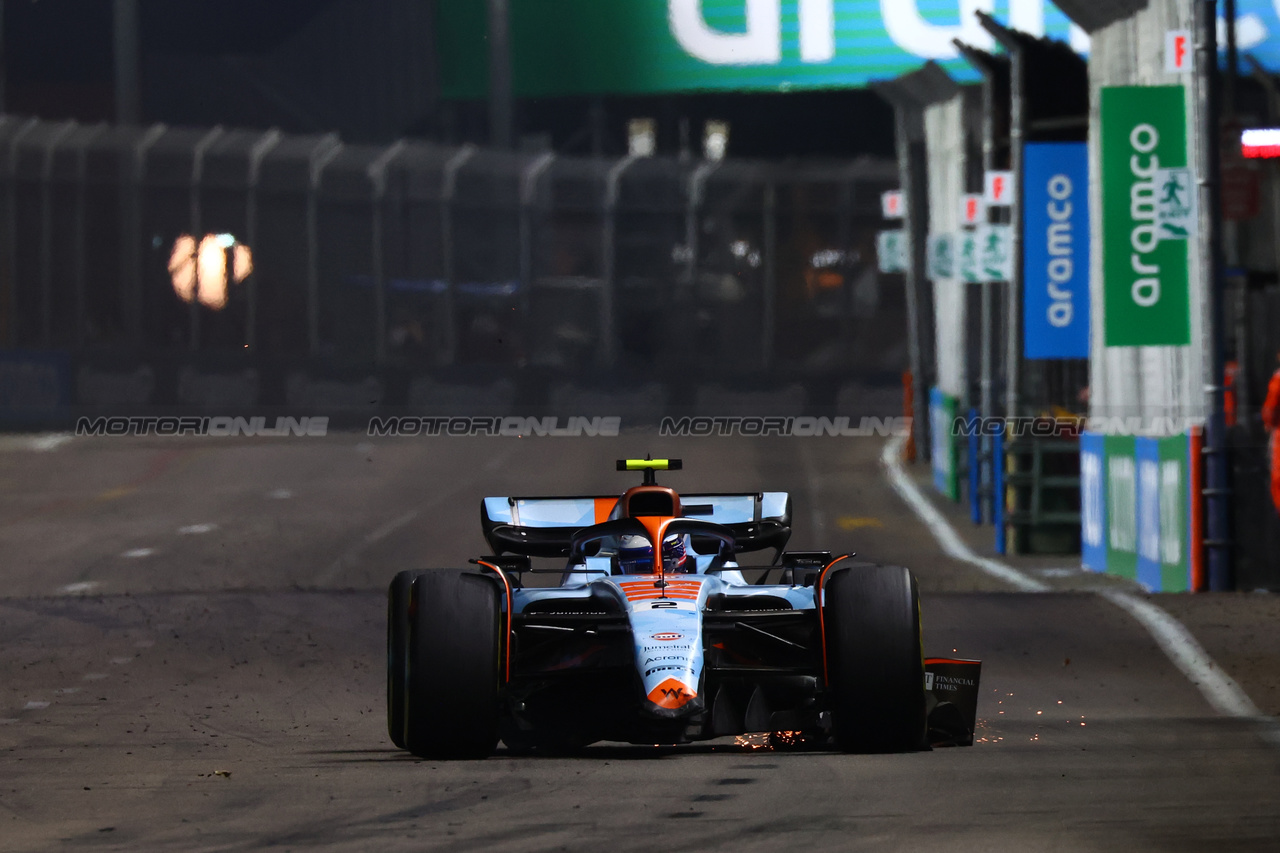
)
(453, 659)
(397, 653)
(871, 616)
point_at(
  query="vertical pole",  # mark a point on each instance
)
(500, 119)
(596, 118)
(81, 262)
(975, 467)
(528, 214)
(197, 219)
(770, 272)
(257, 154)
(4, 79)
(11, 224)
(1013, 330)
(997, 485)
(1217, 491)
(1195, 467)
(986, 302)
(131, 191)
(608, 344)
(46, 234)
(321, 156)
(919, 290)
(1233, 59)
(377, 199)
(128, 102)
(449, 255)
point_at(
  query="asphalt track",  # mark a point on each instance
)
(191, 658)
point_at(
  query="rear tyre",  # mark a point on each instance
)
(453, 659)
(397, 653)
(875, 665)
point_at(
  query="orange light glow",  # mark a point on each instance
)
(199, 272)
(182, 267)
(241, 262)
(212, 263)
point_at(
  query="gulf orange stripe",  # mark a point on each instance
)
(507, 584)
(604, 506)
(822, 625)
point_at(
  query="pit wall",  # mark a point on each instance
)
(1136, 509)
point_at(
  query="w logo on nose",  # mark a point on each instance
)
(671, 694)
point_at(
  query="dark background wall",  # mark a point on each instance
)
(367, 69)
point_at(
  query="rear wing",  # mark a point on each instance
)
(545, 527)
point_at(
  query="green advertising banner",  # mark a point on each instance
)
(1145, 268)
(1122, 505)
(578, 47)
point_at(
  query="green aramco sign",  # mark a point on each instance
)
(1147, 216)
(574, 47)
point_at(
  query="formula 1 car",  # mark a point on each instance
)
(654, 636)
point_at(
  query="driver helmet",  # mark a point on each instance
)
(635, 555)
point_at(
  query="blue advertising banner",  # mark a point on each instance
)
(1055, 269)
(1093, 502)
(1147, 453)
(35, 387)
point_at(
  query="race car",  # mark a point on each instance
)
(653, 635)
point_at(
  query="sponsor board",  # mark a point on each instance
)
(1135, 508)
(997, 188)
(1145, 278)
(1093, 503)
(891, 205)
(995, 252)
(1056, 250)
(590, 47)
(34, 386)
(891, 251)
(941, 257)
(942, 413)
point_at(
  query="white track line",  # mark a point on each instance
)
(946, 535)
(1183, 650)
(1187, 654)
(352, 555)
(42, 443)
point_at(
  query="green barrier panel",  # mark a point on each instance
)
(1120, 470)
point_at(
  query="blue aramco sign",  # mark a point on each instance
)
(1055, 270)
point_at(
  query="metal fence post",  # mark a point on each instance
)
(132, 231)
(46, 232)
(447, 193)
(608, 345)
(528, 200)
(81, 261)
(197, 175)
(770, 273)
(12, 246)
(1218, 540)
(697, 181)
(257, 154)
(998, 487)
(321, 156)
(378, 179)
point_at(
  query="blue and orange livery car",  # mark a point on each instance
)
(639, 625)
